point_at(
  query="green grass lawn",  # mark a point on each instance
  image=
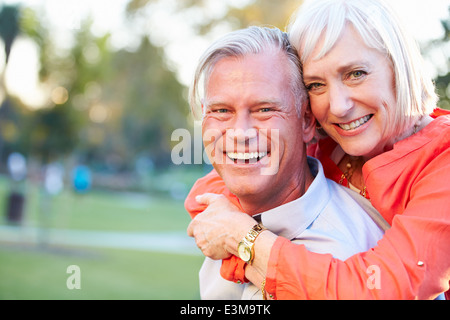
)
(32, 271)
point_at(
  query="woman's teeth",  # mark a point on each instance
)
(355, 124)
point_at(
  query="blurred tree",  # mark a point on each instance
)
(105, 107)
(52, 130)
(9, 27)
(51, 135)
(261, 12)
(153, 103)
(14, 119)
(443, 80)
(9, 115)
(250, 12)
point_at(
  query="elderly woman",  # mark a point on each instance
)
(371, 96)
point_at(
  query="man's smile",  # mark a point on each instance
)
(246, 157)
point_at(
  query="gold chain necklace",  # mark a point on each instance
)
(348, 174)
(349, 168)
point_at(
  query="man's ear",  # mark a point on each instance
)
(203, 108)
(309, 125)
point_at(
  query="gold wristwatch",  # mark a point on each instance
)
(246, 246)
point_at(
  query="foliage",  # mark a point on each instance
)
(443, 80)
(153, 103)
(9, 27)
(250, 12)
(264, 12)
(117, 104)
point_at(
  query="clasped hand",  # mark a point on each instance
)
(218, 229)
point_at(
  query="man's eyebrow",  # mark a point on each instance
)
(269, 101)
(218, 103)
(215, 104)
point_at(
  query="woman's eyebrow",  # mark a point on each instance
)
(340, 69)
(354, 64)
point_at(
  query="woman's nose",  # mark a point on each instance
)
(340, 101)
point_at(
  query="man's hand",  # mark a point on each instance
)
(219, 229)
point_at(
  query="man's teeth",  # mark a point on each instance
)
(355, 124)
(246, 155)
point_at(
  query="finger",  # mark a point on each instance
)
(190, 229)
(207, 198)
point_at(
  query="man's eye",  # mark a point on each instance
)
(265, 110)
(220, 110)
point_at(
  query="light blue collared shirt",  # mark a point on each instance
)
(328, 218)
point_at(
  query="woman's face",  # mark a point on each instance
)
(352, 94)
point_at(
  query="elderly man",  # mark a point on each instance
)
(256, 123)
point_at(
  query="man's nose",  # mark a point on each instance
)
(243, 129)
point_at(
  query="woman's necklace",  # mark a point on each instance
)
(350, 168)
(352, 164)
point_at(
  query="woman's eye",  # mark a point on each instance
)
(314, 86)
(357, 74)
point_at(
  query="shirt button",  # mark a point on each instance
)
(420, 263)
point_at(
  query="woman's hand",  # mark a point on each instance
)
(219, 229)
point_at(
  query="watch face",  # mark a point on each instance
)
(244, 252)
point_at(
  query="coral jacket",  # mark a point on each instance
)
(410, 187)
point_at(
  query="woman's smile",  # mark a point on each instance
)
(355, 124)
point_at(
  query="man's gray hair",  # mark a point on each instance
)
(252, 40)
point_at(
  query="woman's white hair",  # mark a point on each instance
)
(252, 40)
(380, 29)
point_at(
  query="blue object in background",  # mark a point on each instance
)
(81, 178)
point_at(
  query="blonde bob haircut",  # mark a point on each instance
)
(380, 29)
(237, 44)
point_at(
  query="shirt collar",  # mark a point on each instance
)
(291, 219)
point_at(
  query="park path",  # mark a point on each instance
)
(169, 242)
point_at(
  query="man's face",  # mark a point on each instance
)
(251, 129)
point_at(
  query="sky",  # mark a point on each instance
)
(183, 48)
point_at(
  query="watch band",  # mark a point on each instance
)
(254, 232)
(246, 246)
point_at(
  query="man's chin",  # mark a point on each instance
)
(247, 185)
